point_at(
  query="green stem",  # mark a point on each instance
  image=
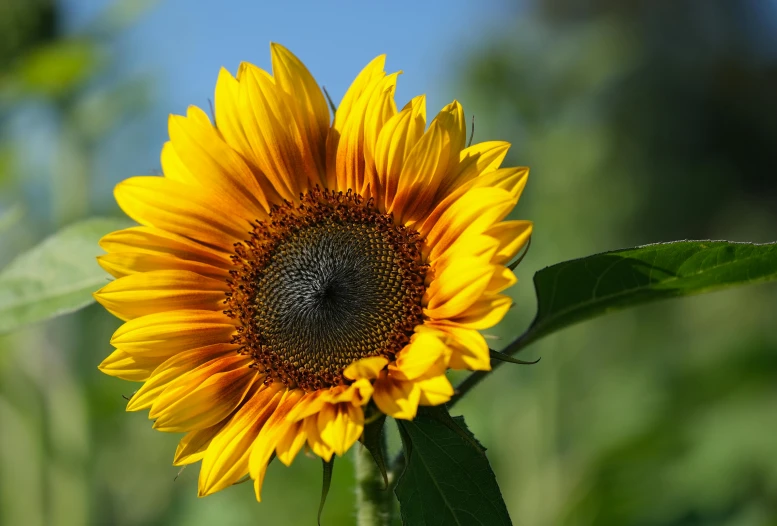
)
(374, 504)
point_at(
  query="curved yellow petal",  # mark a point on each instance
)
(396, 140)
(129, 367)
(155, 241)
(457, 287)
(396, 398)
(485, 313)
(340, 426)
(191, 211)
(226, 460)
(167, 333)
(365, 368)
(160, 291)
(435, 391)
(173, 368)
(193, 446)
(420, 356)
(512, 237)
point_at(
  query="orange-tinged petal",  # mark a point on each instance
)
(374, 70)
(228, 115)
(168, 333)
(310, 108)
(173, 368)
(205, 396)
(226, 460)
(421, 176)
(194, 444)
(395, 141)
(215, 165)
(182, 209)
(277, 145)
(160, 291)
(154, 241)
(122, 264)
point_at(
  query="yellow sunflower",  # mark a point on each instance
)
(291, 269)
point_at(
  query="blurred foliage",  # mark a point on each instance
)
(642, 121)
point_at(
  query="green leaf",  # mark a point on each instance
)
(57, 276)
(447, 479)
(580, 289)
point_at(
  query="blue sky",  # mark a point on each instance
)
(182, 45)
(186, 42)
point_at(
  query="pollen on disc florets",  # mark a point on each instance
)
(323, 283)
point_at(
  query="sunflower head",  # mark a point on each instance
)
(291, 268)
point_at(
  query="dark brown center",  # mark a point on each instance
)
(322, 284)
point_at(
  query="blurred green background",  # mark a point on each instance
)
(642, 121)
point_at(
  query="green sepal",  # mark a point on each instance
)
(327, 471)
(496, 355)
(372, 439)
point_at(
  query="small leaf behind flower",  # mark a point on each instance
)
(448, 479)
(57, 276)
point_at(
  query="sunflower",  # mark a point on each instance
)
(292, 270)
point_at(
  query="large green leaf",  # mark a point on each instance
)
(55, 277)
(447, 479)
(576, 290)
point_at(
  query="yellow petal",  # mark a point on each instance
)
(396, 398)
(310, 108)
(512, 237)
(340, 425)
(421, 176)
(194, 444)
(277, 145)
(502, 279)
(125, 263)
(373, 70)
(395, 142)
(173, 368)
(435, 391)
(291, 443)
(154, 241)
(457, 287)
(213, 164)
(474, 161)
(271, 433)
(485, 313)
(365, 368)
(128, 367)
(182, 209)
(205, 396)
(469, 348)
(167, 333)
(318, 446)
(160, 291)
(226, 460)
(472, 213)
(421, 355)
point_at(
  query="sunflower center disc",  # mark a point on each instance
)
(322, 284)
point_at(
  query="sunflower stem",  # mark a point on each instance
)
(374, 505)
